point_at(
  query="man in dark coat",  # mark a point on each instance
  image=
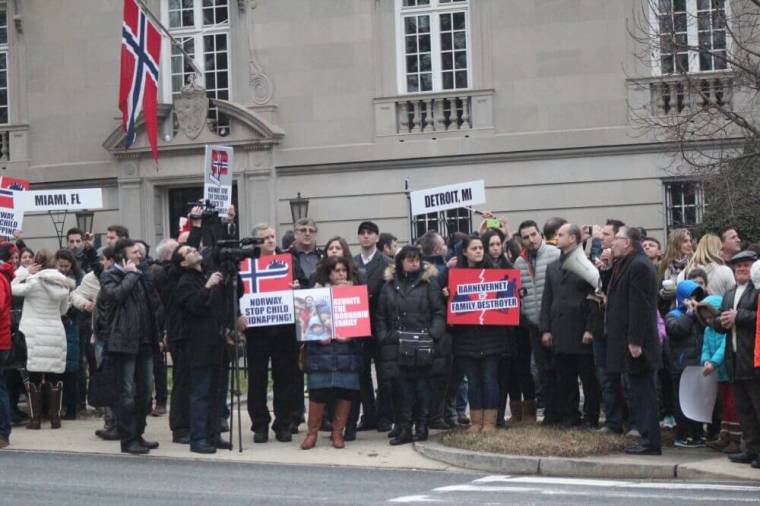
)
(567, 322)
(632, 342)
(372, 264)
(200, 302)
(131, 342)
(738, 320)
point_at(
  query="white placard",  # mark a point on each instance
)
(59, 200)
(267, 308)
(448, 197)
(697, 393)
(11, 215)
(217, 177)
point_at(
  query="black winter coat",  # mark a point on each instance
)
(129, 309)
(200, 312)
(565, 311)
(685, 336)
(631, 316)
(415, 305)
(740, 363)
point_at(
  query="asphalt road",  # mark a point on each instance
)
(59, 479)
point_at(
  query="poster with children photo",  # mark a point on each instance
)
(313, 310)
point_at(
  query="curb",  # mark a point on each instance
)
(561, 467)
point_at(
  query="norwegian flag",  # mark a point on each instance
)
(266, 274)
(6, 198)
(138, 87)
(220, 163)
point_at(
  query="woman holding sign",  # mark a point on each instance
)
(332, 364)
(411, 332)
(478, 350)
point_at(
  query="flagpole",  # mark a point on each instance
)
(174, 41)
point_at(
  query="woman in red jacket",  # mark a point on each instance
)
(6, 275)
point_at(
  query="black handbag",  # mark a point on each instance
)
(415, 349)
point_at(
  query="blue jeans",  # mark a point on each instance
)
(206, 401)
(483, 381)
(134, 387)
(5, 409)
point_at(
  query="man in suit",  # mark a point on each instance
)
(632, 342)
(567, 322)
(372, 264)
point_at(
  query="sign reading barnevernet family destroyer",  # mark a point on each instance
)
(452, 196)
(484, 297)
(267, 290)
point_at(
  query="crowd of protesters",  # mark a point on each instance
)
(606, 356)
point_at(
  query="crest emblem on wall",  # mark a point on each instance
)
(191, 108)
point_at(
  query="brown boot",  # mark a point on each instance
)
(34, 398)
(516, 408)
(489, 420)
(734, 444)
(316, 411)
(529, 411)
(55, 398)
(476, 415)
(721, 442)
(342, 409)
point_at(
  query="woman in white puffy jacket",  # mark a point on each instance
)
(46, 298)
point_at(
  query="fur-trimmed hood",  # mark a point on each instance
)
(429, 272)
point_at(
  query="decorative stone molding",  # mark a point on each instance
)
(191, 108)
(261, 84)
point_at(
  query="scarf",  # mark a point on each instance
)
(676, 266)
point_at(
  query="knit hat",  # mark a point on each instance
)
(7, 249)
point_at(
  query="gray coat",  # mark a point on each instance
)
(533, 282)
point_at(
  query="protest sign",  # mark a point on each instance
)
(217, 177)
(313, 310)
(340, 312)
(351, 311)
(452, 196)
(267, 295)
(697, 393)
(11, 213)
(484, 297)
(14, 183)
(60, 200)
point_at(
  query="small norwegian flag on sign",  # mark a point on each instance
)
(267, 274)
(220, 164)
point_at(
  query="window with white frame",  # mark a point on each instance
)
(4, 111)
(444, 222)
(433, 45)
(691, 35)
(684, 203)
(202, 27)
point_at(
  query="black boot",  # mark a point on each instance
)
(349, 434)
(404, 436)
(420, 432)
(394, 431)
(55, 399)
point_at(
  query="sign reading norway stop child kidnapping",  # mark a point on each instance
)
(11, 212)
(267, 290)
(217, 177)
(443, 198)
(484, 297)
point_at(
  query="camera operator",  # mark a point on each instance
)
(200, 302)
(133, 337)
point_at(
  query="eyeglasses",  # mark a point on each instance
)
(307, 230)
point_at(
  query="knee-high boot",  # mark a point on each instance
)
(55, 398)
(34, 397)
(342, 410)
(316, 412)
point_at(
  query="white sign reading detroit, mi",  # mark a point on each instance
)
(59, 200)
(452, 196)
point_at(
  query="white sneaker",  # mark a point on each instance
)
(633, 433)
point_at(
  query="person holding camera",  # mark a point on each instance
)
(132, 340)
(200, 302)
(409, 325)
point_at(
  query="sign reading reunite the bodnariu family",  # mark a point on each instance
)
(217, 177)
(267, 290)
(452, 196)
(340, 312)
(11, 213)
(484, 297)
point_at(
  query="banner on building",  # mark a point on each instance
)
(267, 292)
(340, 312)
(484, 297)
(217, 177)
(11, 213)
(451, 196)
(60, 200)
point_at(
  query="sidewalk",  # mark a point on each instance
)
(682, 464)
(371, 448)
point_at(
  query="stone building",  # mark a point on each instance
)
(346, 101)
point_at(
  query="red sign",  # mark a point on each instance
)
(267, 274)
(350, 305)
(484, 297)
(14, 183)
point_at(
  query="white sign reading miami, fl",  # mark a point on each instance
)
(59, 200)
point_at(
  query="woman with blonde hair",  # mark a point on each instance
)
(720, 277)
